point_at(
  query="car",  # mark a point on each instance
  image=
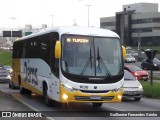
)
(132, 88)
(145, 64)
(8, 68)
(130, 58)
(11, 83)
(137, 72)
(4, 75)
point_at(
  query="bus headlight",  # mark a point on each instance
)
(65, 97)
(69, 88)
(119, 96)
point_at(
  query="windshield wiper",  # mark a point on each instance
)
(87, 63)
(65, 65)
(100, 60)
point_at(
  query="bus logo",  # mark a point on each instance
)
(95, 87)
(68, 40)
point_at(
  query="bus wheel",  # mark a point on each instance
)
(29, 92)
(10, 84)
(97, 104)
(45, 96)
(22, 90)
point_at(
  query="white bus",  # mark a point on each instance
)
(70, 64)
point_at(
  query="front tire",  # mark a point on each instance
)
(137, 99)
(97, 105)
(10, 86)
(45, 96)
(22, 90)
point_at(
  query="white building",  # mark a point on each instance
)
(138, 23)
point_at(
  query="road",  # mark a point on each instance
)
(86, 111)
(9, 105)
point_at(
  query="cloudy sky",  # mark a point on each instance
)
(17, 13)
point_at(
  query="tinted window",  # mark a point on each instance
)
(134, 68)
(128, 76)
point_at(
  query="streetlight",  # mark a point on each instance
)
(88, 12)
(52, 19)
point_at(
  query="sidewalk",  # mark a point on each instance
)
(8, 103)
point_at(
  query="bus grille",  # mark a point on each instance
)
(89, 91)
(91, 98)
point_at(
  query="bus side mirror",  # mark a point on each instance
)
(58, 49)
(124, 52)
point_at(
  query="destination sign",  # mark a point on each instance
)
(77, 40)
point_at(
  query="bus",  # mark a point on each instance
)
(70, 64)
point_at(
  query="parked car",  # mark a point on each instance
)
(132, 87)
(145, 64)
(4, 75)
(130, 58)
(137, 72)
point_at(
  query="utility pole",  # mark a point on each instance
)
(88, 12)
(139, 39)
(52, 19)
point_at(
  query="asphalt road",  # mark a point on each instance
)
(85, 111)
(9, 105)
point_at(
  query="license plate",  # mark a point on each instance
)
(131, 93)
(95, 97)
(144, 78)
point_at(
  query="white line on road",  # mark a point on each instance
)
(114, 108)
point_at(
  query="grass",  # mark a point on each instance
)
(149, 47)
(156, 77)
(5, 58)
(151, 91)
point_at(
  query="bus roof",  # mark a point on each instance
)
(89, 31)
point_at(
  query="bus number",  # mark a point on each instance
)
(84, 87)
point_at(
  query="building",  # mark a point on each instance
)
(138, 24)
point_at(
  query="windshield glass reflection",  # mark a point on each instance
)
(91, 56)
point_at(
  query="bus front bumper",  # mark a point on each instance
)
(78, 96)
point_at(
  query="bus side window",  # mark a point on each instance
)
(54, 61)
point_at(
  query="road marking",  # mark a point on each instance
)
(50, 118)
(114, 108)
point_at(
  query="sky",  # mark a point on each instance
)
(18, 13)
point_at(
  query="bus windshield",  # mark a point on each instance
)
(91, 56)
